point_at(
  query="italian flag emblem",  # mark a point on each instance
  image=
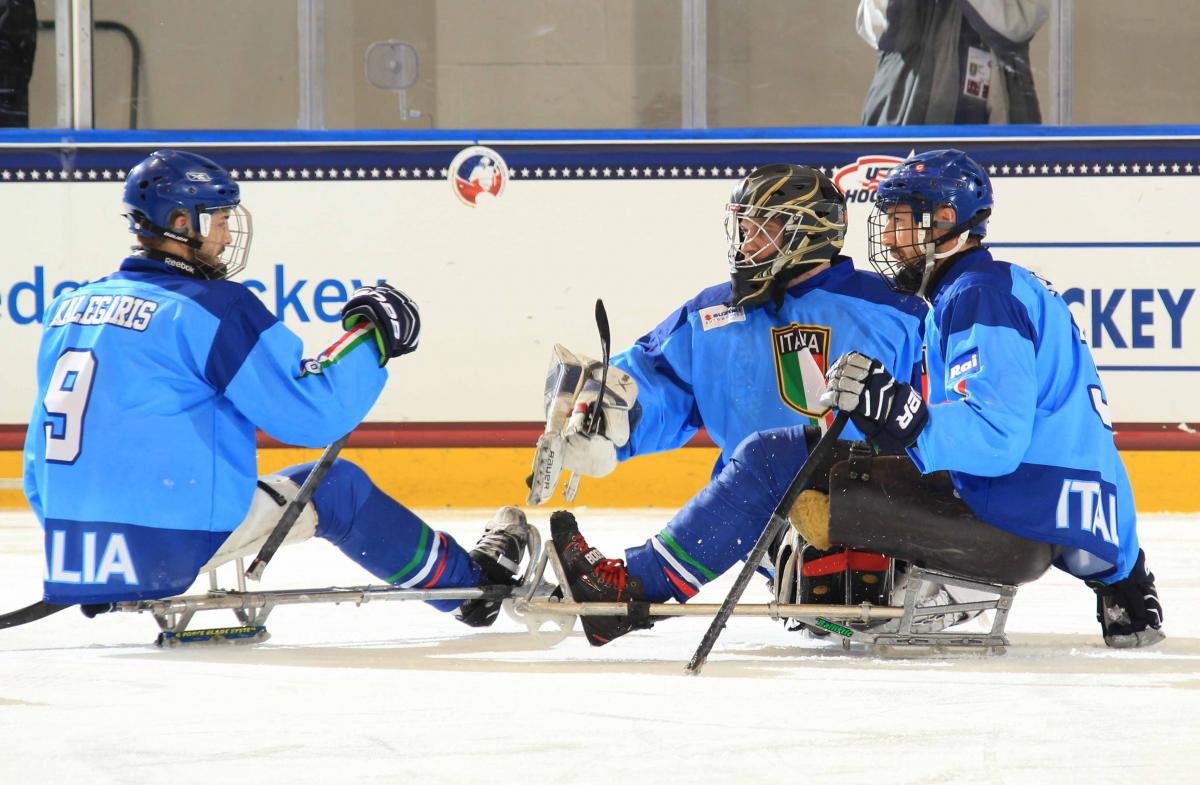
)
(801, 358)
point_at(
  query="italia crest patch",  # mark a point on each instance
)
(801, 359)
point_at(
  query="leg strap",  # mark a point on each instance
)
(885, 504)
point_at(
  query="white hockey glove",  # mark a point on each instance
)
(576, 438)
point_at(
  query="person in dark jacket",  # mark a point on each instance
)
(18, 42)
(946, 62)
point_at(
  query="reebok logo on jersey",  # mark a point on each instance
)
(719, 316)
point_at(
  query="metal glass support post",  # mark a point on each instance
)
(310, 16)
(1062, 32)
(62, 63)
(73, 56)
(693, 57)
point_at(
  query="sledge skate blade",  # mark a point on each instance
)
(245, 635)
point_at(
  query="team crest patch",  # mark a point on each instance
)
(477, 173)
(801, 359)
(719, 316)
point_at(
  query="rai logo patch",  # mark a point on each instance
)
(965, 365)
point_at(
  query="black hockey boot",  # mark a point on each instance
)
(498, 553)
(1129, 611)
(593, 578)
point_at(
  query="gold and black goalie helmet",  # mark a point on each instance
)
(781, 220)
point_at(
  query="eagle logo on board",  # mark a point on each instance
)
(801, 359)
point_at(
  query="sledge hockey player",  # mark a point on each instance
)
(1016, 412)
(742, 357)
(140, 458)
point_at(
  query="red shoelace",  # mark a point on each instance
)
(610, 572)
(613, 573)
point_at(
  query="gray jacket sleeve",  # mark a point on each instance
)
(893, 25)
(1015, 21)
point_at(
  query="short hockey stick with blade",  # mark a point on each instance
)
(593, 423)
(775, 525)
(288, 519)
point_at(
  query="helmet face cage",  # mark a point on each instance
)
(804, 224)
(231, 257)
(904, 277)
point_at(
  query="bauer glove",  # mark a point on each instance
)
(394, 315)
(888, 412)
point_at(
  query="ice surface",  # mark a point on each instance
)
(397, 693)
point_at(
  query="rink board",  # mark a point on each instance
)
(635, 219)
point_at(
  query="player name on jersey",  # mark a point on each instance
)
(122, 310)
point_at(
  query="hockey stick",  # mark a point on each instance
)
(593, 423)
(39, 610)
(775, 525)
(288, 519)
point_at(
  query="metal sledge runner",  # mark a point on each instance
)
(549, 610)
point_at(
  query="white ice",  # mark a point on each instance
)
(397, 693)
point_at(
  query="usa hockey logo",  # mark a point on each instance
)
(478, 174)
(801, 359)
(860, 180)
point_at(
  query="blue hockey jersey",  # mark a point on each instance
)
(1018, 416)
(737, 371)
(140, 456)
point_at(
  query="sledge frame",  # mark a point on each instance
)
(549, 609)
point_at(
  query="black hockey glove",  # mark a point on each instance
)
(889, 413)
(395, 317)
(1129, 611)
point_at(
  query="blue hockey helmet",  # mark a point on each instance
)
(926, 182)
(170, 183)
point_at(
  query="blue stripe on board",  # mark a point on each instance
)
(151, 138)
(97, 156)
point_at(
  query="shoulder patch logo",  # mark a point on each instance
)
(965, 365)
(801, 359)
(720, 315)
